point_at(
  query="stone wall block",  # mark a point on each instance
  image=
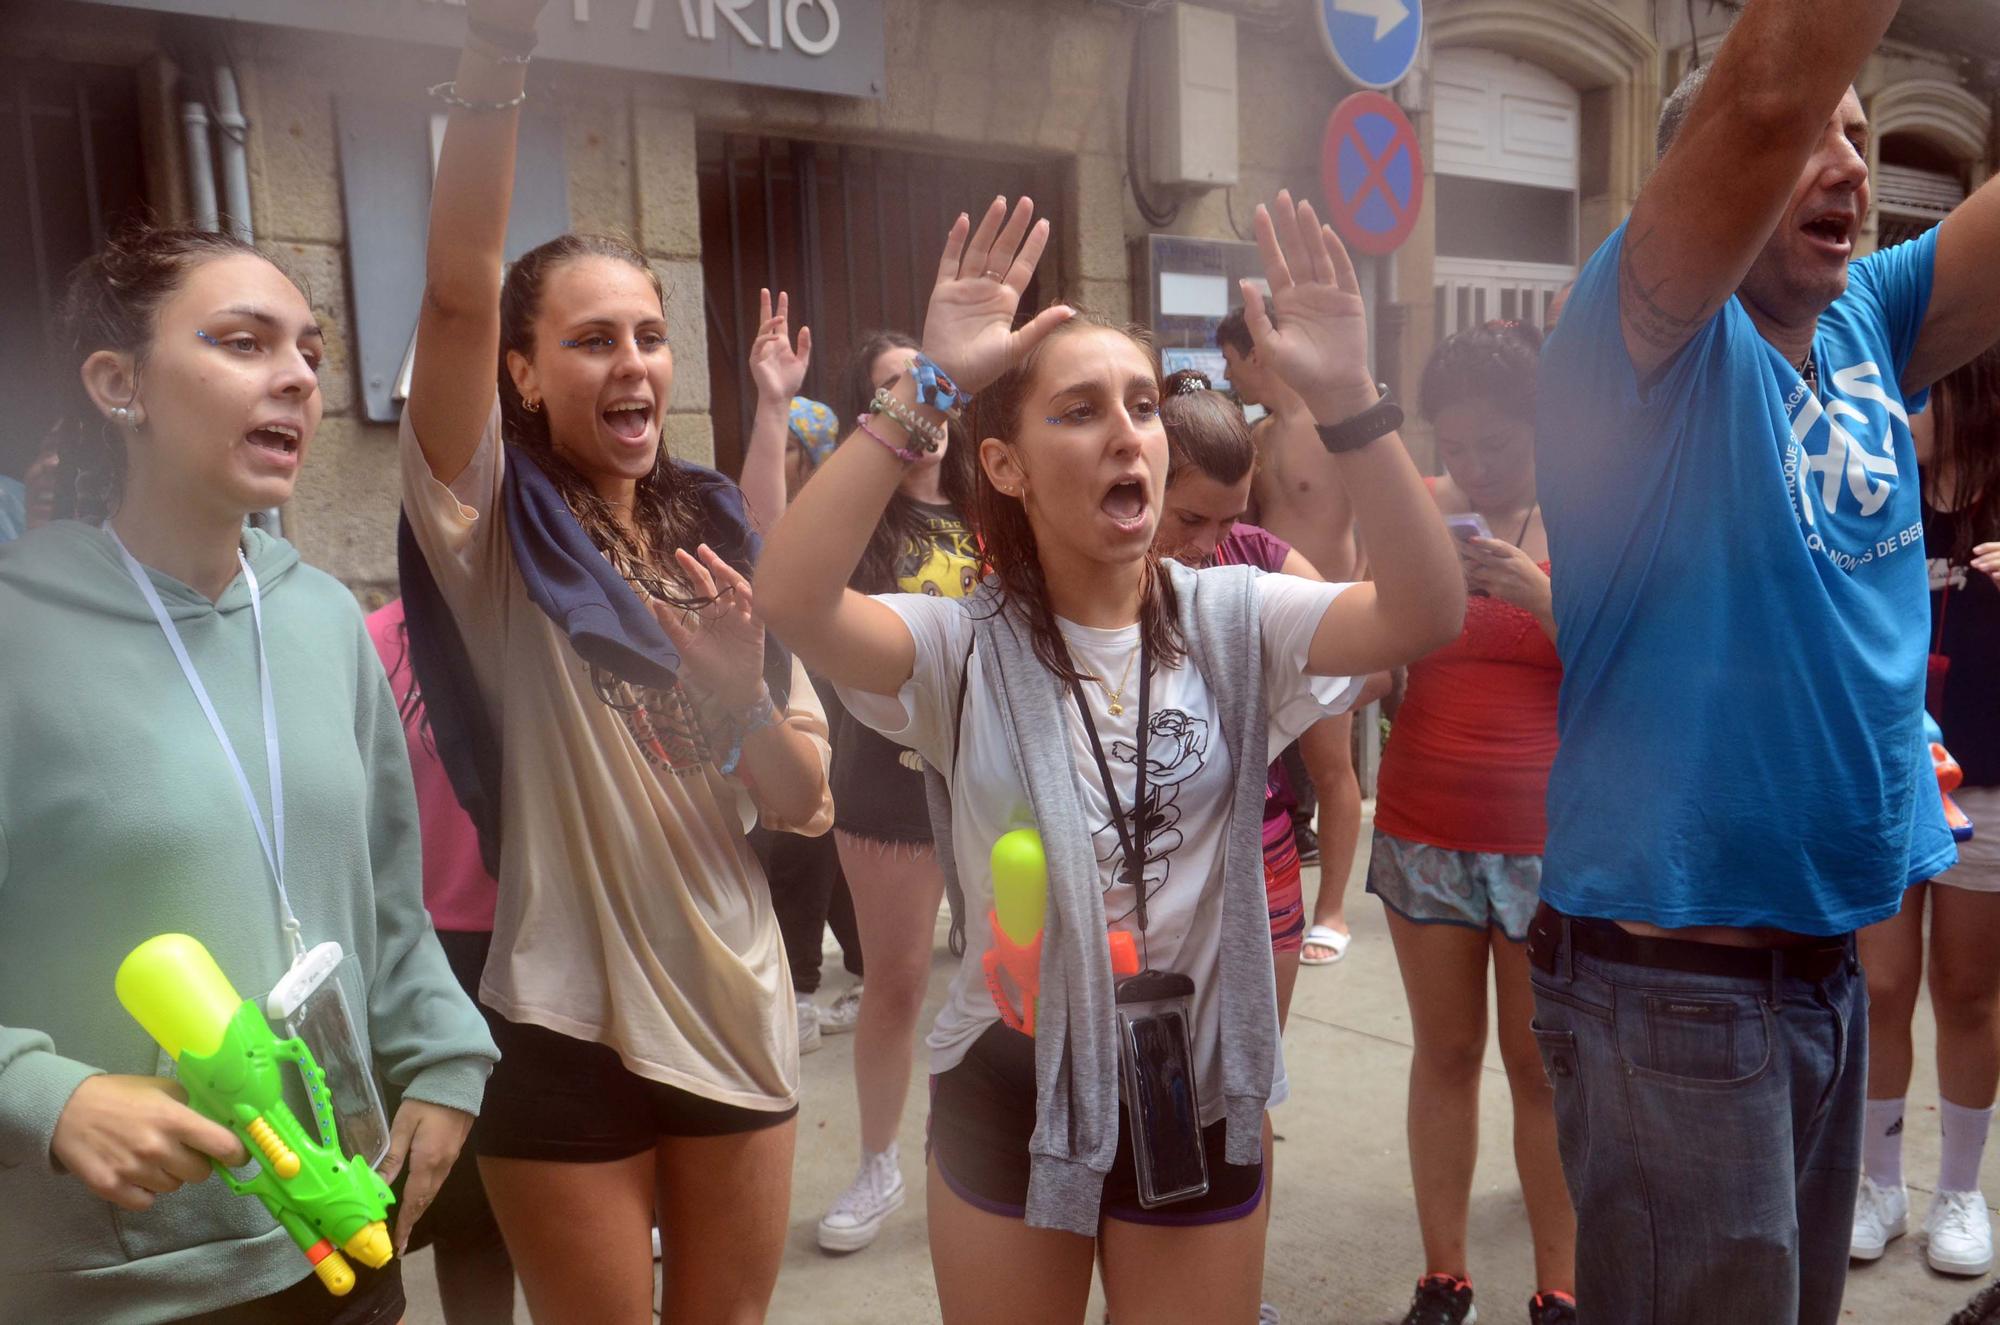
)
(1100, 219)
(597, 151)
(294, 165)
(1112, 299)
(669, 195)
(687, 331)
(343, 513)
(911, 94)
(689, 437)
(321, 272)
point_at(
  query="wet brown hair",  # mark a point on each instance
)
(666, 512)
(1205, 432)
(113, 302)
(1967, 404)
(1008, 551)
(1497, 362)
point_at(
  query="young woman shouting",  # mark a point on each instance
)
(1126, 708)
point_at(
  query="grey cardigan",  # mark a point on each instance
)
(1076, 1054)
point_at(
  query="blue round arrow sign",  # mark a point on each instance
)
(1373, 42)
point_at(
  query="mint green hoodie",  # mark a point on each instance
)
(119, 820)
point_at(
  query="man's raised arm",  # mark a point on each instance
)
(1964, 316)
(1714, 200)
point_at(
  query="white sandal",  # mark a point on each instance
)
(1324, 936)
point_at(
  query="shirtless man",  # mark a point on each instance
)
(1297, 495)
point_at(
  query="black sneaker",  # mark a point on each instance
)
(1308, 844)
(1552, 1309)
(1442, 1299)
(1981, 1310)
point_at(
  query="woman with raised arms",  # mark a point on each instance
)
(636, 984)
(1126, 708)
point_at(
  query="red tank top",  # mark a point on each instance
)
(1467, 763)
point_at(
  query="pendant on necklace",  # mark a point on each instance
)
(1115, 709)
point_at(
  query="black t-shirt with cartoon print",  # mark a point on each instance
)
(878, 786)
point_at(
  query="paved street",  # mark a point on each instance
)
(1344, 1246)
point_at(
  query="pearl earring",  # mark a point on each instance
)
(121, 415)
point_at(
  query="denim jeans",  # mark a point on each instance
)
(1710, 1130)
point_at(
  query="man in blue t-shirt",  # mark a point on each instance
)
(1732, 503)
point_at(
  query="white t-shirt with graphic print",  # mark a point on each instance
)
(1190, 786)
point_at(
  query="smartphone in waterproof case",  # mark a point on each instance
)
(1156, 1070)
(309, 1004)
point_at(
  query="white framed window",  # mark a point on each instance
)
(1508, 162)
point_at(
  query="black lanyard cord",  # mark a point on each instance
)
(1132, 841)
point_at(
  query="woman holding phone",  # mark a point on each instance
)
(1459, 824)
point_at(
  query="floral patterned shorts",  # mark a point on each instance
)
(1438, 886)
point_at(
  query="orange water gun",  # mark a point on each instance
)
(1020, 906)
(1949, 776)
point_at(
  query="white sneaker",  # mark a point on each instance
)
(839, 1019)
(1959, 1234)
(858, 1213)
(809, 1016)
(1881, 1215)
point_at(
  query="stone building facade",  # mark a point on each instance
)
(1017, 89)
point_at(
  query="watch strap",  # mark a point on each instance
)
(1351, 434)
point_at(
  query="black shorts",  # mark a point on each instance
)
(983, 1115)
(376, 1299)
(554, 1097)
(459, 1215)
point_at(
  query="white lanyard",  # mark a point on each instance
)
(273, 840)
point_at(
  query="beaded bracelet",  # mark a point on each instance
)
(448, 94)
(905, 454)
(762, 712)
(925, 435)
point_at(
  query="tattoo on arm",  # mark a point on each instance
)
(1648, 318)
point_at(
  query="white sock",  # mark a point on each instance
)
(1964, 1145)
(1882, 1142)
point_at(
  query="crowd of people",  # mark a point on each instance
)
(580, 805)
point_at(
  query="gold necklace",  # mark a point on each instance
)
(1116, 706)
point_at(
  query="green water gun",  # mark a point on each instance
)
(232, 1067)
(1013, 963)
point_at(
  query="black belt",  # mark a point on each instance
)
(1811, 960)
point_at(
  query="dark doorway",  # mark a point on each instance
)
(70, 157)
(852, 233)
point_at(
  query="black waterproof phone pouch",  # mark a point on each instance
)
(1156, 1071)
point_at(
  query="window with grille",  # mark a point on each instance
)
(1507, 155)
(69, 150)
(853, 234)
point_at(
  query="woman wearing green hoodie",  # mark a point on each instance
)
(121, 817)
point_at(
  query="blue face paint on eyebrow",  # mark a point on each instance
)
(210, 339)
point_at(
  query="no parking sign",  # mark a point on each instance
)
(1372, 172)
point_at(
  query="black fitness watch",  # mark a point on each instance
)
(1351, 434)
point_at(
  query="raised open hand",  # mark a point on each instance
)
(1315, 333)
(777, 366)
(722, 643)
(969, 326)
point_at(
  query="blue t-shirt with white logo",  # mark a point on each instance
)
(1740, 593)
